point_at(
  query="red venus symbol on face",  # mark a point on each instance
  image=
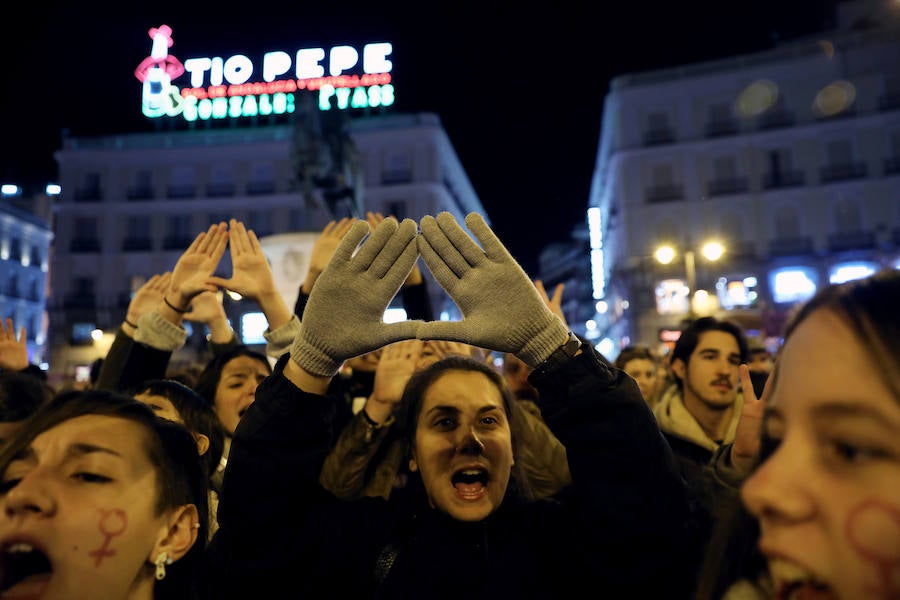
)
(873, 529)
(112, 523)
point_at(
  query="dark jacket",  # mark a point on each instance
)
(616, 532)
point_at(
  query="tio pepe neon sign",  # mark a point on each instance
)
(225, 88)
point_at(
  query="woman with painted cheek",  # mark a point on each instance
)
(822, 506)
(828, 497)
(100, 499)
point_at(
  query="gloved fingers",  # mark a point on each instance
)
(399, 331)
(395, 255)
(347, 247)
(493, 247)
(443, 274)
(378, 239)
(443, 246)
(451, 331)
(461, 240)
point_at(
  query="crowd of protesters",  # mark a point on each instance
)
(355, 457)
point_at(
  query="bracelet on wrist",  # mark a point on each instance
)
(133, 325)
(170, 305)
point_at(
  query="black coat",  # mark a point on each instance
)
(617, 532)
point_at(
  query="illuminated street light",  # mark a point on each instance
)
(711, 251)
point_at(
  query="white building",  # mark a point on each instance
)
(130, 204)
(25, 238)
(789, 157)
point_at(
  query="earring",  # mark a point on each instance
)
(162, 559)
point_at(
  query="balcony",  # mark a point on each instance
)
(396, 176)
(892, 165)
(135, 244)
(858, 240)
(174, 242)
(143, 192)
(889, 101)
(181, 191)
(219, 190)
(258, 188)
(657, 137)
(776, 119)
(791, 246)
(724, 187)
(84, 245)
(783, 179)
(721, 128)
(89, 194)
(842, 172)
(663, 193)
(79, 300)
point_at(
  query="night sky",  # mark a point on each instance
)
(519, 89)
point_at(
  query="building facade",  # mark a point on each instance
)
(130, 204)
(25, 240)
(789, 158)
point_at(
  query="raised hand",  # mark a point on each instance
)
(344, 316)
(13, 352)
(745, 449)
(251, 274)
(502, 309)
(148, 296)
(554, 303)
(323, 249)
(396, 365)
(207, 308)
(195, 266)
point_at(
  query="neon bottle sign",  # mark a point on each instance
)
(220, 88)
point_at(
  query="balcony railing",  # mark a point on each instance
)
(218, 190)
(842, 172)
(143, 192)
(889, 101)
(90, 194)
(721, 128)
(723, 187)
(255, 188)
(859, 240)
(783, 179)
(776, 119)
(85, 245)
(137, 244)
(892, 165)
(396, 176)
(664, 193)
(791, 246)
(181, 191)
(174, 242)
(656, 137)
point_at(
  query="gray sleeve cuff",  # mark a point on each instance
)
(154, 331)
(278, 341)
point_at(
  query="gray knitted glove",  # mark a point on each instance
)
(502, 310)
(344, 315)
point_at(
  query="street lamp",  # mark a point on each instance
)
(711, 251)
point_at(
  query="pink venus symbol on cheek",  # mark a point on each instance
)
(873, 529)
(112, 523)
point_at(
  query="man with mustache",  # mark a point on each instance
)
(700, 411)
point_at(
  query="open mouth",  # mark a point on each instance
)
(470, 483)
(793, 582)
(25, 568)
